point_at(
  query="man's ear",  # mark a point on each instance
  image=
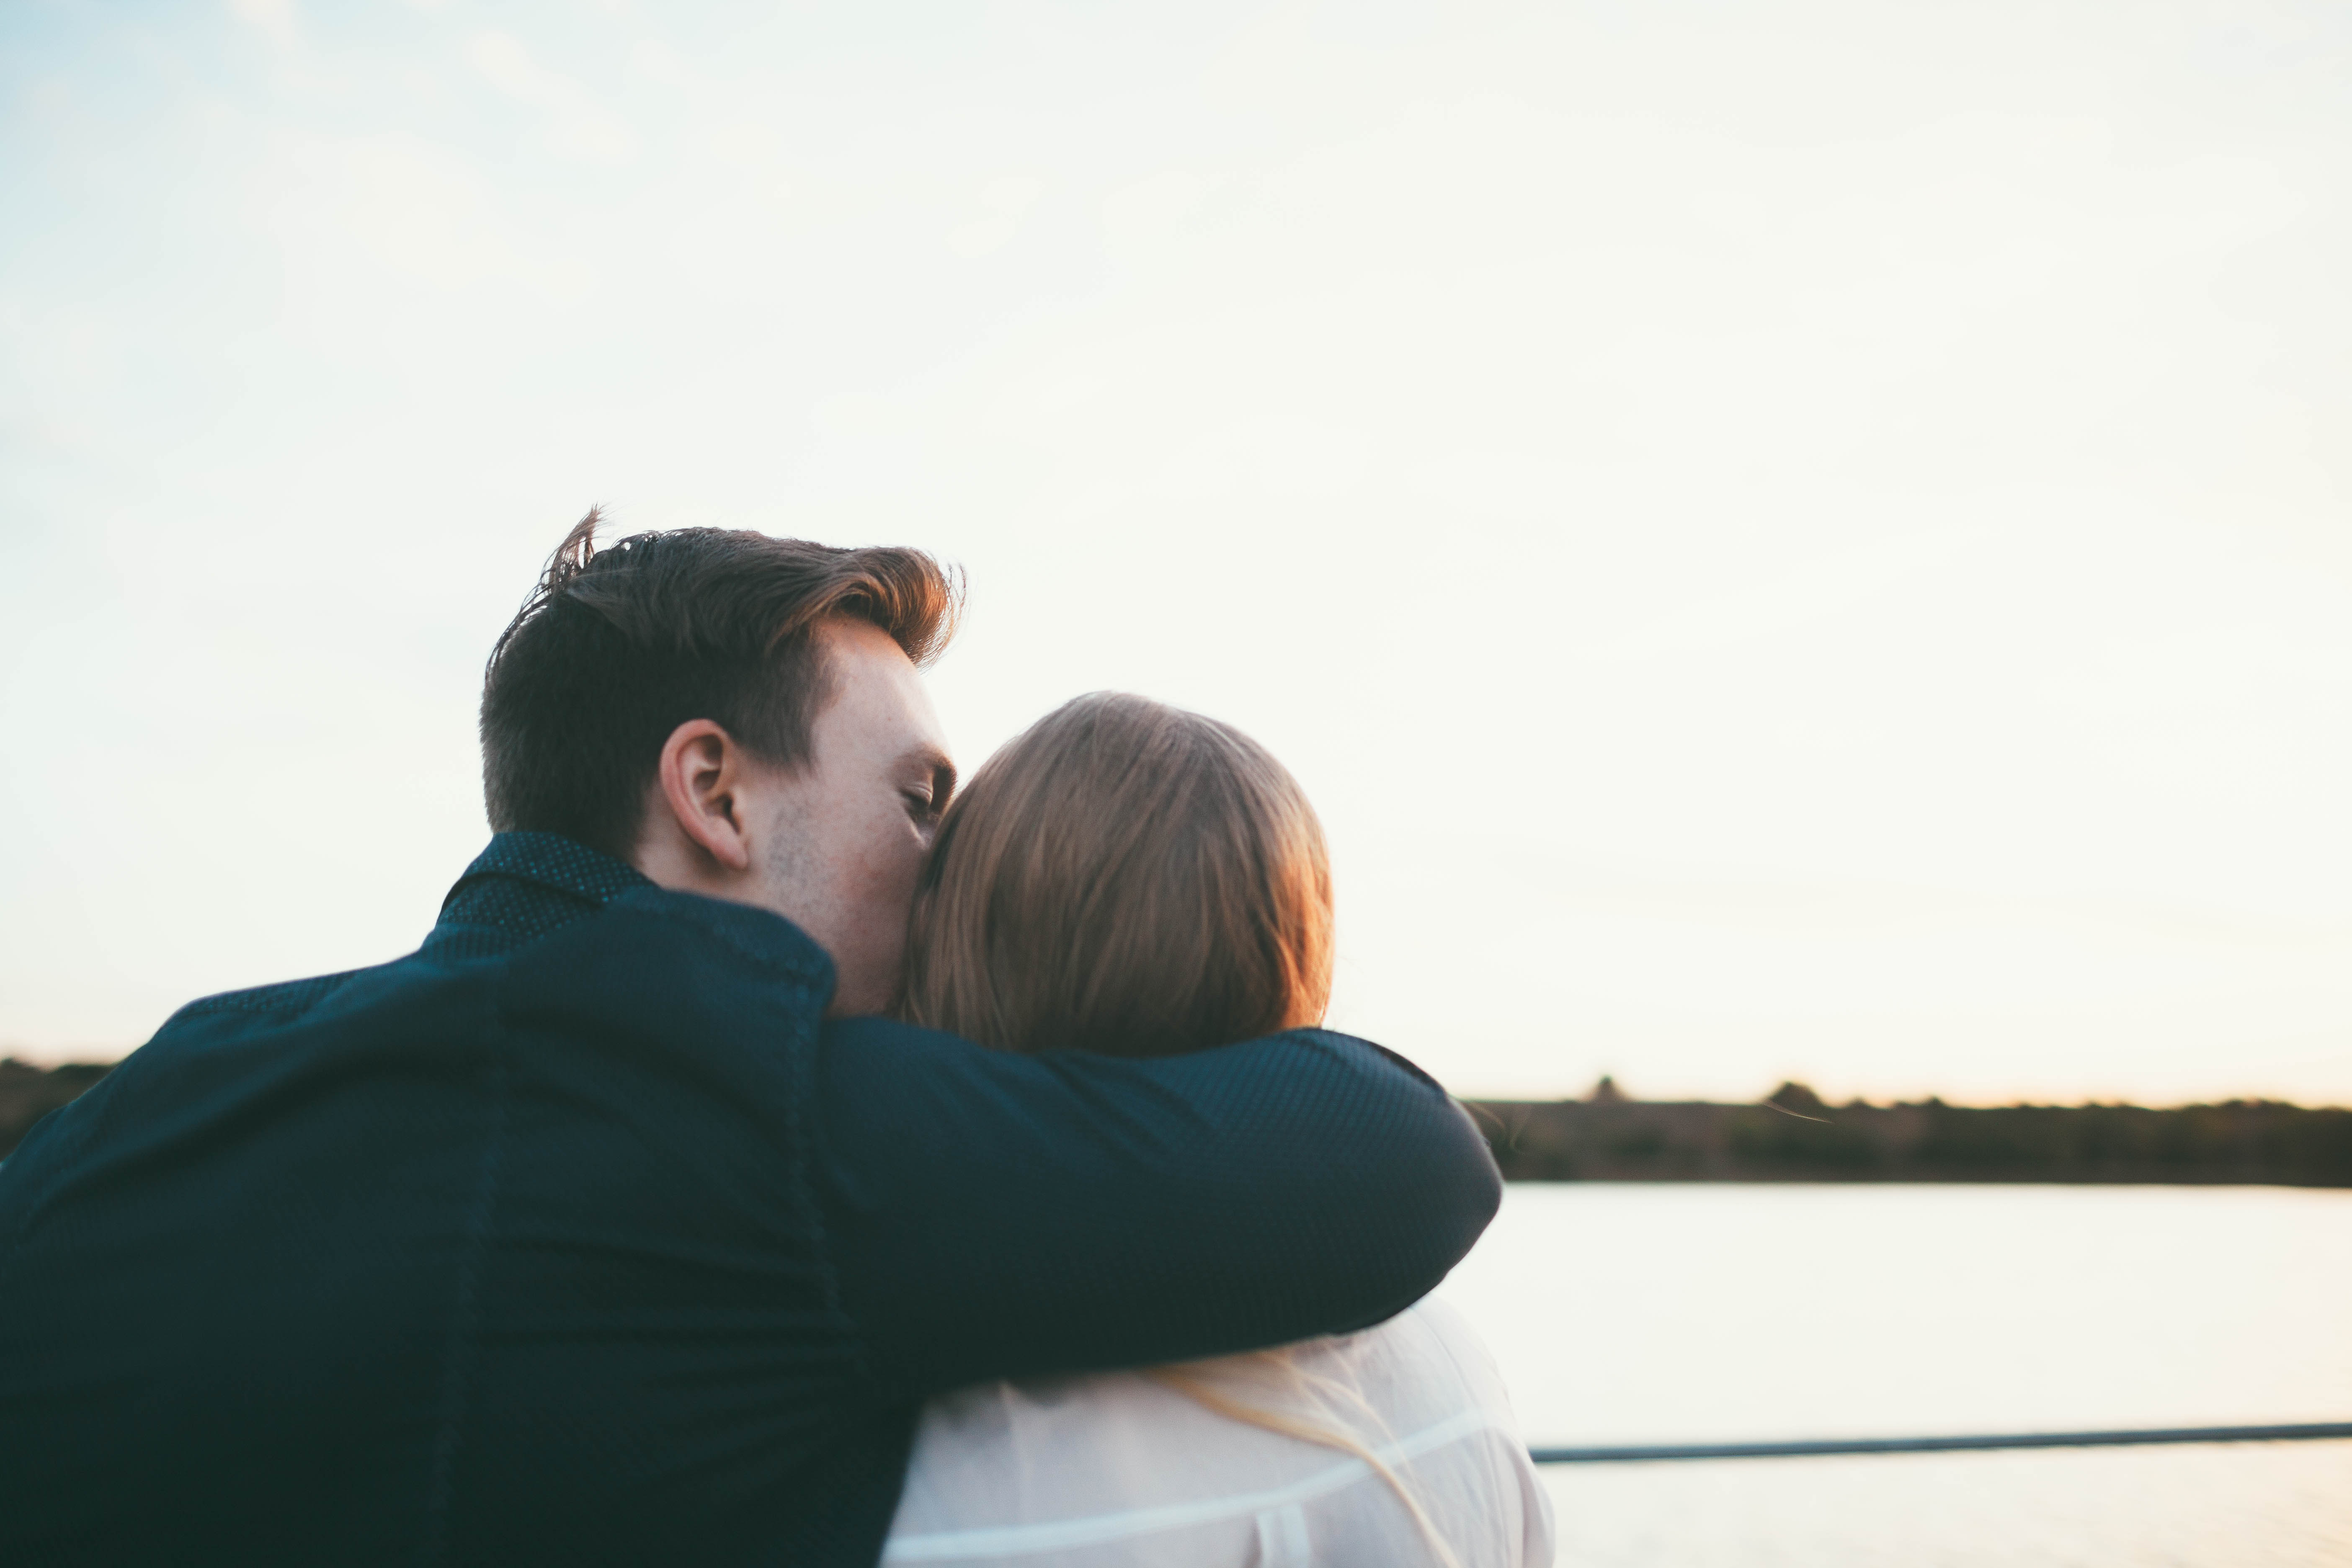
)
(701, 778)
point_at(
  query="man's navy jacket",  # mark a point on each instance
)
(579, 1237)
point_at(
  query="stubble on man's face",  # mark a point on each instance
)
(848, 835)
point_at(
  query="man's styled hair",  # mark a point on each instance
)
(616, 647)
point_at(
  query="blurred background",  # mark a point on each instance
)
(1786, 540)
(1793, 539)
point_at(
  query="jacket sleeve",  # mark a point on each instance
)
(991, 1215)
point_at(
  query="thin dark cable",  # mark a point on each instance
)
(2304, 1433)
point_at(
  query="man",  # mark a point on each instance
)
(576, 1235)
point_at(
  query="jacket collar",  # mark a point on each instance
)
(560, 865)
(524, 885)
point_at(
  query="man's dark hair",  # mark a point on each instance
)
(616, 647)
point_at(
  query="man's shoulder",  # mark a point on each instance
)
(284, 999)
(647, 937)
(291, 1003)
(651, 997)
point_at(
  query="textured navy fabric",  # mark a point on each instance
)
(579, 1237)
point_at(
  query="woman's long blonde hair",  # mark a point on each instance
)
(1126, 878)
(1130, 878)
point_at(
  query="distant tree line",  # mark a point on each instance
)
(1793, 1136)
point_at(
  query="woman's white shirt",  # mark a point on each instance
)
(1118, 1469)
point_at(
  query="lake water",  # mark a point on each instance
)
(1682, 1314)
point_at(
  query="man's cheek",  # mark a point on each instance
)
(893, 861)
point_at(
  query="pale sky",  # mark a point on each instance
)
(1784, 539)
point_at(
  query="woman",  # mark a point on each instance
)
(1131, 878)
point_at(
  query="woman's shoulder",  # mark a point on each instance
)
(1431, 1321)
(1142, 1457)
(1427, 1353)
